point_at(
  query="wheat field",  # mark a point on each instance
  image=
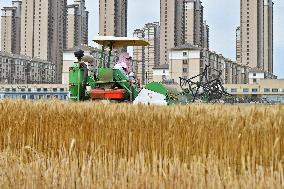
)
(56, 144)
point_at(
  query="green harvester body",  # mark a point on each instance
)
(106, 77)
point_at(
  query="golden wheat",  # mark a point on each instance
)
(89, 145)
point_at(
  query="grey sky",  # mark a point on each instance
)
(222, 16)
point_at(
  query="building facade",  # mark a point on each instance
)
(113, 18)
(161, 74)
(147, 57)
(265, 90)
(139, 56)
(7, 29)
(76, 25)
(11, 28)
(43, 31)
(206, 31)
(268, 35)
(238, 46)
(236, 73)
(34, 92)
(256, 75)
(196, 29)
(172, 26)
(257, 34)
(188, 61)
(181, 22)
(18, 69)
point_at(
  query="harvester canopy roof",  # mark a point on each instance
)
(119, 42)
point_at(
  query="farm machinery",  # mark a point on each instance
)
(205, 89)
(114, 83)
(108, 83)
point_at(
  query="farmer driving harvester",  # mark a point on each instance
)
(124, 65)
(107, 82)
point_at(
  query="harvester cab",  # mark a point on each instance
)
(106, 83)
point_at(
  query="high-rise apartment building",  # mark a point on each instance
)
(238, 45)
(43, 31)
(71, 25)
(182, 22)
(139, 57)
(257, 34)
(11, 28)
(147, 57)
(205, 41)
(268, 35)
(172, 26)
(152, 35)
(7, 29)
(76, 25)
(194, 24)
(113, 18)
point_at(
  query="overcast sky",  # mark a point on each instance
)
(222, 16)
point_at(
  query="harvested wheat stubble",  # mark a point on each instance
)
(87, 145)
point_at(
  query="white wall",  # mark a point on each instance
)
(177, 55)
(257, 76)
(161, 72)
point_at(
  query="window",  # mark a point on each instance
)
(254, 74)
(245, 90)
(254, 90)
(275, 90)
(185, 61)
(234, 90)
(184, 70)
(38, 89)
(266, 90)
(184, 53)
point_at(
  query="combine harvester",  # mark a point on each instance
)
(113, 84)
